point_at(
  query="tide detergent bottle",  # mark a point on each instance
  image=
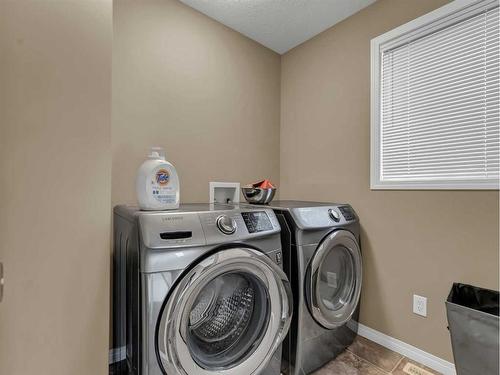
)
(157, 183)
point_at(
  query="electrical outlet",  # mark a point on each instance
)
(420, 305)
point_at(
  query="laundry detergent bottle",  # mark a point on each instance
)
(157, 183)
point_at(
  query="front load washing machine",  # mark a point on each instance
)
(200, 290)
(322, 259)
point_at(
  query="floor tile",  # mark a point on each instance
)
(376, 354)
(349, 364)
(402, 364)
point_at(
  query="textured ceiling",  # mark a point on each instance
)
(279, 24)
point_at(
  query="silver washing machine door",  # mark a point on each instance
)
(333, 279)
(226, 316)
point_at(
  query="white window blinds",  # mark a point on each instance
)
(439, 105)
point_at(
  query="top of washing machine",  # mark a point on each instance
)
(317, 215)
(184, 231)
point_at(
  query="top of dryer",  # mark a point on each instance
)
(317, 215)
(289, 204)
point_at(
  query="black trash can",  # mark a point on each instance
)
(473, 321)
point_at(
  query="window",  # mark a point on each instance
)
(435, 101)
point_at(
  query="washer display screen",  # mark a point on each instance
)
(257, 221)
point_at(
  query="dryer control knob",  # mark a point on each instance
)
(226, 224)
(334, 215)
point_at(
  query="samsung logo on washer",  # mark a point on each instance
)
(171, 218)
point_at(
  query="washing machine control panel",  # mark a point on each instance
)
(347, 213)
(226, 224)
(238, 224)
(334, 215)
(257, 221)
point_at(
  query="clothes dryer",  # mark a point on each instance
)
(322, 259)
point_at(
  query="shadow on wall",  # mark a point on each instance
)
(370, 275)
(124, 173)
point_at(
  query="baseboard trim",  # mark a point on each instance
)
(416, 354)
(117, 355)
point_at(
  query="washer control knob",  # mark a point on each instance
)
(334, 215)
(226, 224)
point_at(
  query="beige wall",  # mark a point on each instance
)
(55, 198)
(413, 241)
(207, 94)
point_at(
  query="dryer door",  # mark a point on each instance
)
(227, 315)
(333, 281)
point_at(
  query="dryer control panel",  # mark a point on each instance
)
(323, 216)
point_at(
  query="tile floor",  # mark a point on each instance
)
(364, 357)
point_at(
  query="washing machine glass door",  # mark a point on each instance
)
(227, 315)
(333, 284)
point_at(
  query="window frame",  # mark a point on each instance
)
(438, 19)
